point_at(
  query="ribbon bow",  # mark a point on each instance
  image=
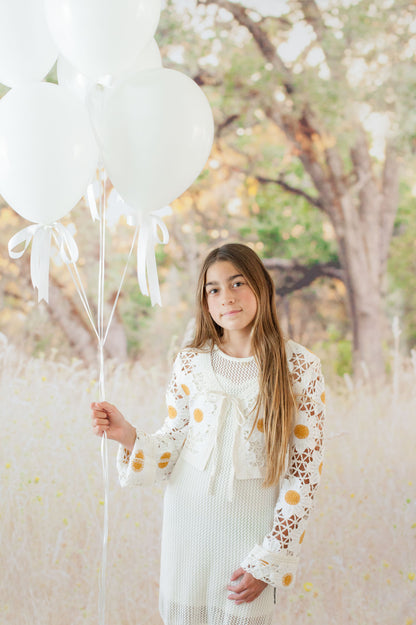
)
(150, 226)
(152, 231)
(41, 236)
(238, 419)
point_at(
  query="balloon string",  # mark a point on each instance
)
(76, 278)
(104, 441)
(101, 333)
(121, 281)
(101, 273)
(104, 465)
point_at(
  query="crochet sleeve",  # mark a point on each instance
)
(154, 455)
(275, 561)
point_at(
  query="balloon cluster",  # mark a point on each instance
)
(151, 128)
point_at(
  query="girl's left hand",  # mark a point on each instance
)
(247, 589)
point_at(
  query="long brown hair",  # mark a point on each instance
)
(276, 400)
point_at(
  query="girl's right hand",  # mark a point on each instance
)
(107, 418)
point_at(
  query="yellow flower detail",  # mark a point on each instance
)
(198, 415)
(323, 397)
(307, 586)
(164, 460)
(138, 461)
(301, 538)
(292, 497)
(8, 465)
(185, 389)
(320, 468)
(287, 579)
(301, 431)
(411, 576)
(172, 412)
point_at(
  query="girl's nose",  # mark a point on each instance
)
(228, 298)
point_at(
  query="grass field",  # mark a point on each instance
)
(358, 563)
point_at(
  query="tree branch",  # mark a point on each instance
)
(300, 133)
(287, 187)
(295, 276)
(261, 38)
(227, 122)
(313, 16)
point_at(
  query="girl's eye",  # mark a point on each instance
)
(212, 291)
(238, 283)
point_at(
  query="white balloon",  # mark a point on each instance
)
(102, 37)
(79, 84)
(27, 50)
(48, 153)
(72, 79)
(155, 133)
(148, 58)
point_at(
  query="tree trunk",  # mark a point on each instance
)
(362, 214)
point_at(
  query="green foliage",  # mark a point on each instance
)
(136, 314)
(337, 350)
(402, 266)
(289, 227)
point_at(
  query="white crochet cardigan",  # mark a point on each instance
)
(196, 404)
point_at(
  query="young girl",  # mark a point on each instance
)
(241, 446)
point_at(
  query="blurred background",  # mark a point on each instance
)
(313, 166)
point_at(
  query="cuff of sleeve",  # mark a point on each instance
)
(138, 466)
(275, 568)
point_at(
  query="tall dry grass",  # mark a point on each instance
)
(358, 562)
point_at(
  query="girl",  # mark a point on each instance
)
(241, 446)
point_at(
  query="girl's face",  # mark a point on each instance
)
(231, 302)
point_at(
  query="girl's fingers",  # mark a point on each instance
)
(101, 422)
(99, 431)
(104, 406)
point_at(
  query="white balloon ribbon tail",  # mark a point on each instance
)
(41, 237)
(92, 202)
(152, 231)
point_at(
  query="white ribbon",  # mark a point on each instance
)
(92, 202)
(94, 191)
(150, 226)
(234, 404)
(41, 237)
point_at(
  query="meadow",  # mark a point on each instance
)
(358, 564)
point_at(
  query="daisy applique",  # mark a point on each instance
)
(305, 433)
(315, 466)
(293, 498)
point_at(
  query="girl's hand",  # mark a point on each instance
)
(107, 418)
(247, 589)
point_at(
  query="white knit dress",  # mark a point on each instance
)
(217, 515)
(205, 537)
